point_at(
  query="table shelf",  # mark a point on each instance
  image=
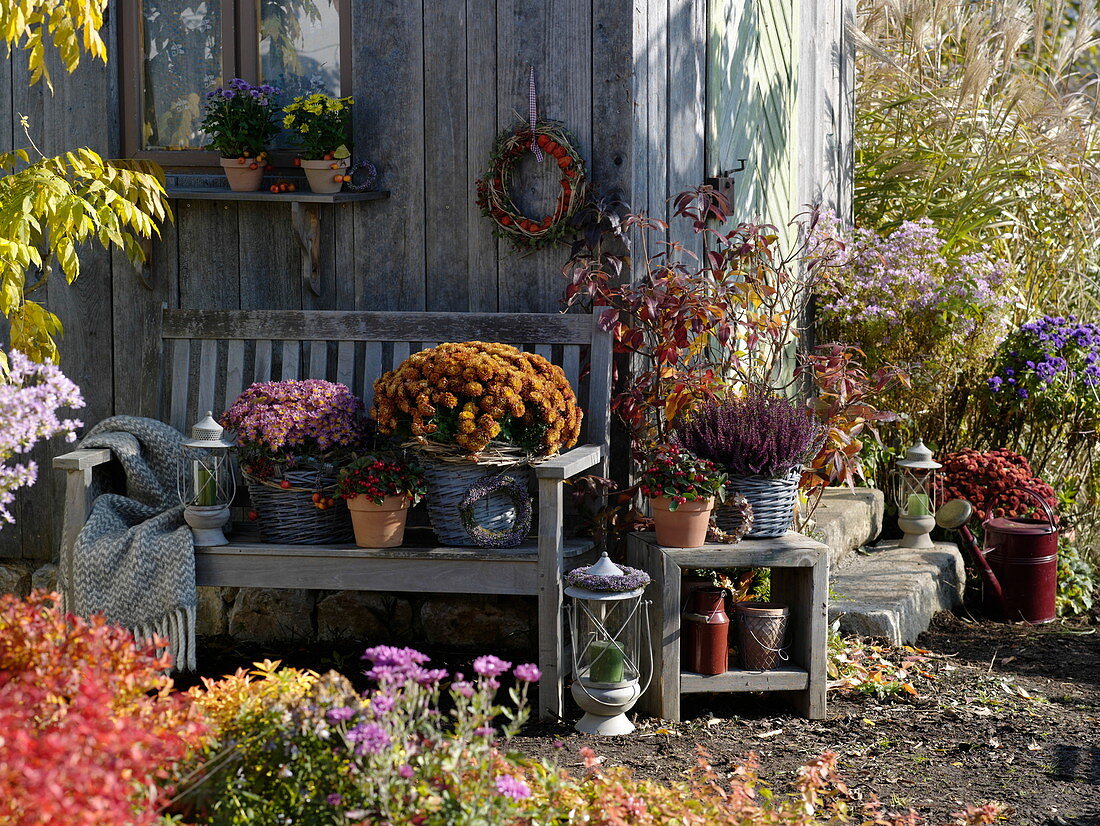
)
(799, 579)
(783, 678)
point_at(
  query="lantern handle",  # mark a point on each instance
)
(1051, 519)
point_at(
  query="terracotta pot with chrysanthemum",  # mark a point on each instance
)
(682, 489)
(478, 414)
(320, 123)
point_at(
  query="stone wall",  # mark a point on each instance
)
(476, 622)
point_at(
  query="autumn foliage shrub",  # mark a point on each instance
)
(980, 477)
(89, 726)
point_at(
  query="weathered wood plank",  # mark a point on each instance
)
(83, 459)
(270, 258)
(337, 325)
(789, 551)
(784, 678)
(598, 408)
(388, 49)
(686, 37)
(261, 365)
(234, 373)
(345, 363)
(209, 255)
(289, 369)
(569, 463)
(318, 360)
(481, 119)
(302, 196)
(208, 374)
(611, 161)
(181, 374)
(445, 134)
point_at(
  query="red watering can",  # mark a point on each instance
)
(1019, 565)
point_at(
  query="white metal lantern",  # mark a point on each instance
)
(915, 493)
(205, 482)
(611, 645)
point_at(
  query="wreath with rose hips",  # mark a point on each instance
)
(524, 231)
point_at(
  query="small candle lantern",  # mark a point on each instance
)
(915, 495)
(205, 482)
(609, 626)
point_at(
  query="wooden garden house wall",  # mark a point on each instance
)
(659, 94)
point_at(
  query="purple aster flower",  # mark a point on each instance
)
(340, 715)
(528, 673)
(463, 689)
(491, 666)
(512, 787)
(381, 703)
(334, 799)
(369, 738)
(405, 770)
(485, 731)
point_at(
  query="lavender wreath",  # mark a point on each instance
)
(489, 537)
(632, 579)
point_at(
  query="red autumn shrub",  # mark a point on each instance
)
(980, 477)
(89, 725)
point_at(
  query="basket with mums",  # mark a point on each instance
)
(292, 438)
(478, 414)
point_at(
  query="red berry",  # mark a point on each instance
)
(285, 484)
(253, 516)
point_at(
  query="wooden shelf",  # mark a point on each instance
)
(305, 215)
(299, 197)
(784, 678)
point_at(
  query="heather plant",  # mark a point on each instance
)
(295, 422)
(89, 724)
(30, 395)
(903, 299)
(760, 434)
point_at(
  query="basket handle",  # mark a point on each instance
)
(1051, 519)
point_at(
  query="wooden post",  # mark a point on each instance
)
(551, 651)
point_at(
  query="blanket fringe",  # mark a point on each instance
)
(178, 627)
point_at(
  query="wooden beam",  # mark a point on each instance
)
(82, 459)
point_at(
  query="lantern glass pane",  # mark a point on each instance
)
(915, 492)
(607, 636)
(205, 477)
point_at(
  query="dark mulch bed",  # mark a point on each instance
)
(1013, 716)
(971, 736)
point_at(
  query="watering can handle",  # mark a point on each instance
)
(1042, 503)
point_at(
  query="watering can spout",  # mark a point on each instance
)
(954, 516)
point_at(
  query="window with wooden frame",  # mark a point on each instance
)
(174, 51)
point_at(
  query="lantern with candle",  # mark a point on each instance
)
(609, 625)
(205, 482)
(915, 495)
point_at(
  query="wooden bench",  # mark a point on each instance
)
(208, 357)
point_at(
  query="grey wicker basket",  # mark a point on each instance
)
(448, 483)
(290, 516)
(772, 502)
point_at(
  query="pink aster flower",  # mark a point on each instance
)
(512, 787)
(527, 672)
(491, 666)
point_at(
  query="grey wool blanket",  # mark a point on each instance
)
(134, 559)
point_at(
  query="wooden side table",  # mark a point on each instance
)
(799, 579)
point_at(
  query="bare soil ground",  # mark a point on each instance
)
(1012, 716)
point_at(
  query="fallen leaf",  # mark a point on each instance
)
(773, 733)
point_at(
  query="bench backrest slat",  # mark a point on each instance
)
(210, 356)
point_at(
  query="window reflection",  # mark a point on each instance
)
(300, 46)
(182, 59)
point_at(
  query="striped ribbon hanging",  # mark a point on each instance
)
(532, 113)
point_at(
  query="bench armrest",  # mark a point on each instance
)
(82, 459)
(569, 463)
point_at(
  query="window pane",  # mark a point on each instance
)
(182, 60)
(300, 46)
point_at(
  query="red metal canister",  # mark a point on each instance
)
(1023, 554)
(706, 626)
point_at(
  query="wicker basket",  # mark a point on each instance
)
(772, 501)
(289, 516)
(448, 483)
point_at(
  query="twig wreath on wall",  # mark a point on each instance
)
(528, 232)
(544, 138)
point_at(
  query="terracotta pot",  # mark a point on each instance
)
(241, 176)
(379, 526)
(685, 527)
(320, 175)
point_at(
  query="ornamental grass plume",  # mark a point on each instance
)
(472, 393)
(759, 434)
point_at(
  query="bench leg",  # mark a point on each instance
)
(551, 649)
(806, 593)
(78, 504)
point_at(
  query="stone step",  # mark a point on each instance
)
(846, 520)
(894, 592)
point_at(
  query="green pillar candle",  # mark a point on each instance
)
(206, 490)
(918, 505)
(608, 663)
